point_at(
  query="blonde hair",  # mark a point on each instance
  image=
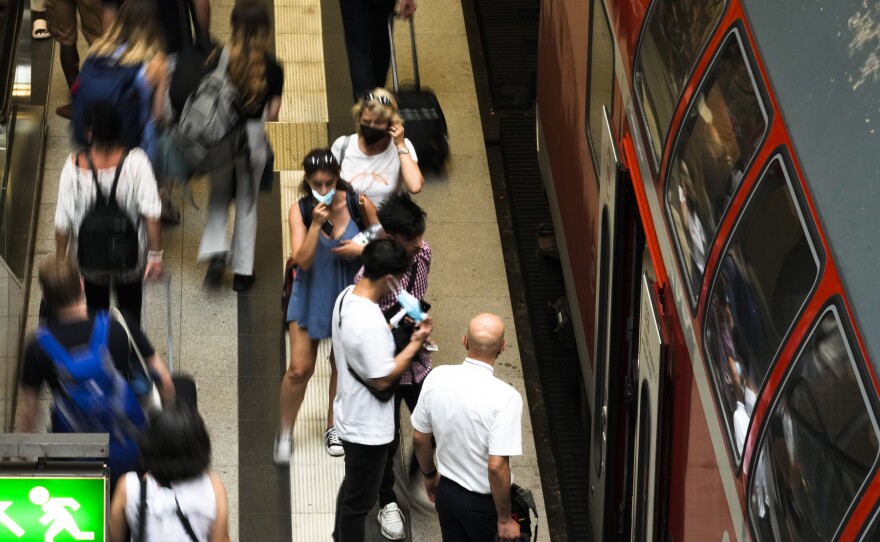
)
(384, 112)
(136, 29)
(247, 51)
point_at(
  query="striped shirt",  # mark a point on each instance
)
(421, 364)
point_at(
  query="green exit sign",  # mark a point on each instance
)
(53, 509)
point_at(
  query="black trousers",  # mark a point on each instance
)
(410, 395)
(465, 516)
(363, 473)
(365, 23)
(129, 296)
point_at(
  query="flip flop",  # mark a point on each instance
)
(40, 31)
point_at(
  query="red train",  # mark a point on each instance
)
(712, 169)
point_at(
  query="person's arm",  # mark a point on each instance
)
(220, 529)
(425, 456)
(154, 256)
(31, 409)
(410, 173)
(157, 75)
(273, 108)
(65, 207)
(303, 242)
(403, 360)
(62, 238)
(166, 383)
(119, 530)
(499, 482)
(203, 15)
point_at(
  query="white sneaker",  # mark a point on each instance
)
(333, 443)
(391, 520)
(283, 446)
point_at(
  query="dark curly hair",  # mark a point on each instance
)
(175, 446)
(400, 215)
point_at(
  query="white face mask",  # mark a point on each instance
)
(326, 198)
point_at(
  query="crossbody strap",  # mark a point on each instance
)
(142, 511)
(183, 519)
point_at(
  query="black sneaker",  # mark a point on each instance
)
(216, 268)
(241, 283)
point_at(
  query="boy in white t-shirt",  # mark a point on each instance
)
(364, 350)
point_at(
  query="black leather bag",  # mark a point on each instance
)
(424, 121)
(197, 58)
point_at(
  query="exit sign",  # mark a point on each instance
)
(56, 509)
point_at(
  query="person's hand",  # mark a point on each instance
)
(320, 214)
(396, 133)
(406, 8)
(431, 486)
(153, 270)
(347, 249)
(508, 530)
(423, 330)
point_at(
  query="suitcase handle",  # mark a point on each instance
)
(415, 58)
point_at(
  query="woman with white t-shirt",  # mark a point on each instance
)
(377, 160)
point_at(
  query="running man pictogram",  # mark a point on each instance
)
(57, 516)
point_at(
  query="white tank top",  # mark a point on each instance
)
(197, 501)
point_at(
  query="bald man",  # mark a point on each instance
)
(477, 422)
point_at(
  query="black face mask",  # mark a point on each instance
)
(372, 135)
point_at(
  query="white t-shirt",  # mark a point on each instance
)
(376, 176)
(197, 502)
(472, 415)
(363, 340)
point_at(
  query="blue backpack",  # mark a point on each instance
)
(92, 397)
(104, 79)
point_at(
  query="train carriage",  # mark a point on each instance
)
(712, 170)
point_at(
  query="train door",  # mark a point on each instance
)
(648, 394)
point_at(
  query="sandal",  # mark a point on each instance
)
(40, 30)
(65, 111)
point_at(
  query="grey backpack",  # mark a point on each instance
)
(210, 132)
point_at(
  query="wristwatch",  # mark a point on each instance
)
(402, 150)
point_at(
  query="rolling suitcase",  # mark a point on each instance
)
(424, 122)
(184, 386)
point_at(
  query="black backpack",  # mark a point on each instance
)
(107, 239)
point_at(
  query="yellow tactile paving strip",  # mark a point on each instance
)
(291, 141)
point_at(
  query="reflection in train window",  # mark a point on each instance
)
(601, 78)
(719, 137)
(820, 444)
(763, 280)
(674, 35)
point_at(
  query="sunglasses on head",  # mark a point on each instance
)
(370, 97)
(322, 159)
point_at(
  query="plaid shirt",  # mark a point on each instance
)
(421, 364)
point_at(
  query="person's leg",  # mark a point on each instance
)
(214, 237)
(358, 42)
(61, 20)
(91, 18)
(38, 20)
(359, 489)
(130, 298)
(331, 392)
(386, 489)
(97, 296)
(303, 353)
(447, 502)
(381, 47)
(244, 232)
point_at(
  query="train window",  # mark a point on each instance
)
(600, 89)
(718, 139)
(674, 34)
(819, 446)
(763, 280)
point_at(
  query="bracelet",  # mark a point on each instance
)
(430, 474)
(154, 256)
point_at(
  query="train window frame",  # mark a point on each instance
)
(834, 306)
(733, 32)
(594, 140)
(656, 161)
(781, 156)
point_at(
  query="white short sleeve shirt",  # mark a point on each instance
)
(362, 340)
(472, 415)
(376, 176)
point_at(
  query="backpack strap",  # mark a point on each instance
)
(185, 521)
(223, 63)
(98, 194)
(355, 209)
(52, 347)
(100, 331)
(142, 511)
(118, 173)
(345, 143)
(306, 206)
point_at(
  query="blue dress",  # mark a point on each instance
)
(315, 289)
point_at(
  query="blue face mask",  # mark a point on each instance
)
(326, 198)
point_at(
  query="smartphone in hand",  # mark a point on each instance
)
(327, 227)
